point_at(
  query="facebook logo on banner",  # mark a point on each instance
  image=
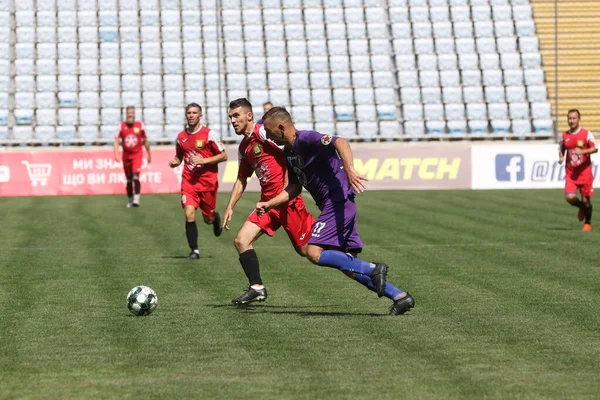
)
(510, 167)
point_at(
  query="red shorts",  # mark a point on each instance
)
(132, 165)
(206, 201)
(586, 187)
(293, 217)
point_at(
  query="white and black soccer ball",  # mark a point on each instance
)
(142, 300)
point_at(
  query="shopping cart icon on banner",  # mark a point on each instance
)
(38, 173)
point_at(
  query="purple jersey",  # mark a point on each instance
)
(317, 166)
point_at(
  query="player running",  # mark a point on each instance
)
(200, 149)
(133, 137)
(324, 165)
(578, 144)
(259, 155)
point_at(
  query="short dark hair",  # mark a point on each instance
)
(268, 103)
(277, 112)
(241, 102)
(130, 108)
(574, 110)
(193, 105)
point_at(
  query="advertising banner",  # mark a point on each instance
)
(81, 171)
(519, 167)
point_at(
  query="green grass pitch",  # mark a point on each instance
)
(507, 293)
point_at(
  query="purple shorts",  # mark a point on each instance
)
(336, 227)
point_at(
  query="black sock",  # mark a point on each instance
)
(578, 203)
(136, 183)
(588, 214)
(251, 267)
(191, 232)
(129, 188)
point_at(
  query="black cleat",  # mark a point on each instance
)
(402, 305)
(194, 255)
(217, 228)
(251, 295)
(378, 277)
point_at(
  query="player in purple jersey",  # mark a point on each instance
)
(324, 165)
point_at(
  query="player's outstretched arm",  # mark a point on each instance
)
(236, 193)
(292, 190)
(345, 153)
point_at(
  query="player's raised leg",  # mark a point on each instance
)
(244, 244)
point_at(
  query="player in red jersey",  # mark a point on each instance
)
(259, 155)
(578, 144)
(132, 135)
(200, 149)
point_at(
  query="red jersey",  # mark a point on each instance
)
(261, 155)
(132, 137)
(203, 142)
(578, 167)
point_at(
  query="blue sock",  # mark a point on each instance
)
(344, 262)
(391, 291)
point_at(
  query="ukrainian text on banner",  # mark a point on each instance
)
(94, 171)
(525, 166)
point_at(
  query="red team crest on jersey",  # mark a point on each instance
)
(580, 143)
(257, 149)
(326, 139)
(136, 130)
(199, 144)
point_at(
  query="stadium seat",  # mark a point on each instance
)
(390, 129)
(478, 127)
(521, 127)
(452, 95)
(473, 94)
(498, 111)
(513, 77)
(492, 77)
(471, 77)
(410, 95)
(67, 99)
(45, 116)
(541, 111)
(518, 110)
(506, 45)
(431, 95)
(45, 134)
(412, 112)
(429, 78)
(534, 77)
(543, 126)
(449, 78)
(537, 94)
(414, 127)
(515, 94)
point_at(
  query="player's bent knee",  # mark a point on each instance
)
(349, 274)
(241, 243)
(301, 251)
(314, 254)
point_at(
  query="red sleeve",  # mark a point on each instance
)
(245, 169)
(214, 148)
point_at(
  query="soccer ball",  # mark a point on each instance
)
(142, 300)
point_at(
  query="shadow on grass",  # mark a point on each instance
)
(184, 257)
(290, 310)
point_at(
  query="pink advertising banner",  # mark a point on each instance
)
(81, 171)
